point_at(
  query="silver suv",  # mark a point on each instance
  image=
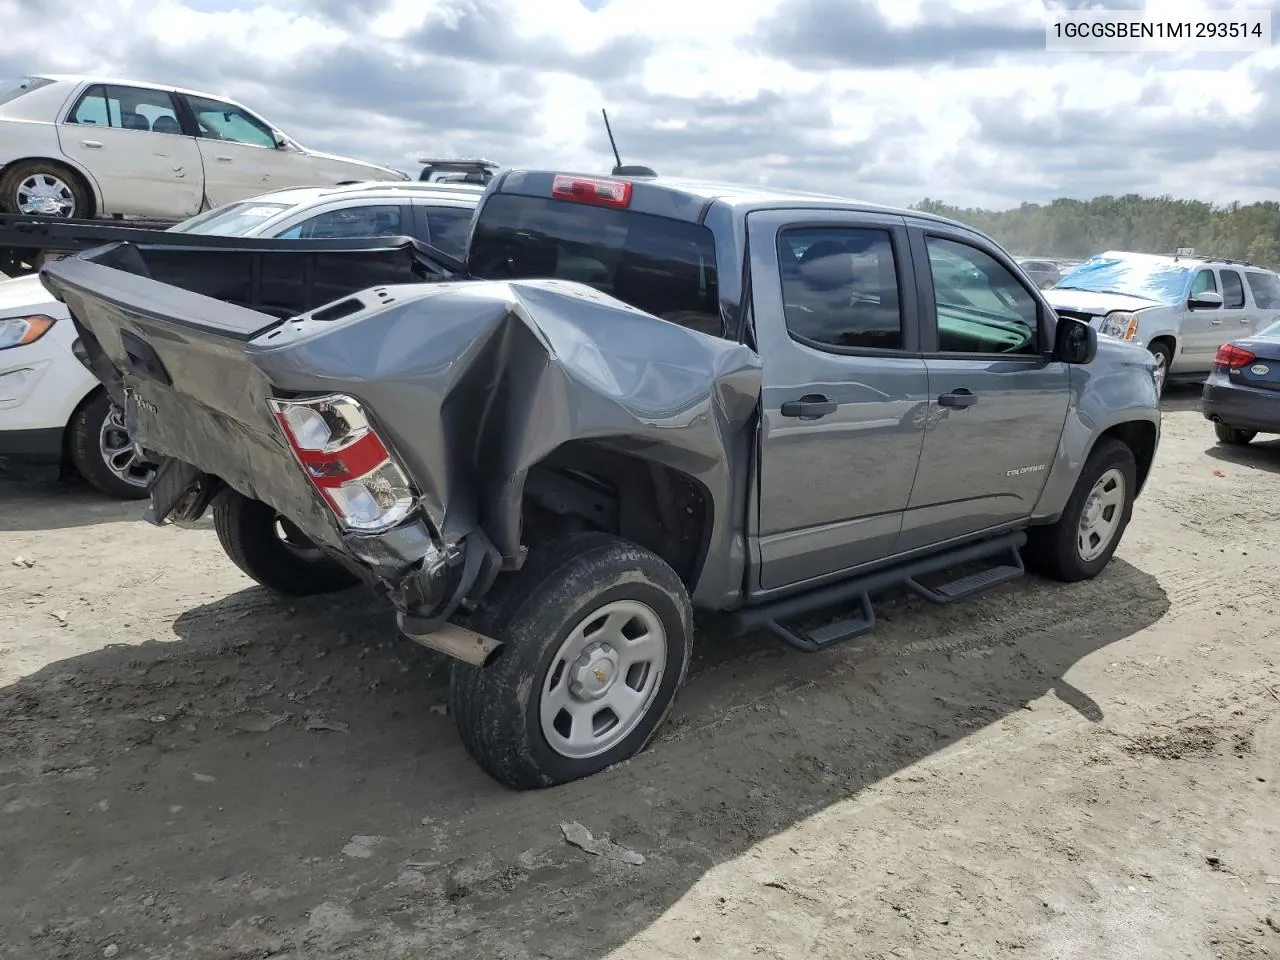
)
(1182, 309)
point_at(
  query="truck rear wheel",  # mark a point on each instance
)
(1085, 537)
(271, 550)
(596, 635)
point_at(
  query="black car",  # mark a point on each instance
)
(1242, 394)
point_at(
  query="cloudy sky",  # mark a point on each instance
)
(886, 100)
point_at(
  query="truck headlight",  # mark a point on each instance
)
(1121, 324)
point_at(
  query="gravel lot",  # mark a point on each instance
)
(1047, 772)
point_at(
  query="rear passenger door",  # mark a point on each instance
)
(998, 400)
(845, 396)
(1264, 288)
(1239, 318)
(131, 140)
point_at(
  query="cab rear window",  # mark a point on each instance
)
(662, 266)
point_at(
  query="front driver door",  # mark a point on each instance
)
(998, 400)
(844, 395)
(241, 157)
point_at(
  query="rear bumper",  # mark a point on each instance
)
(1245, 408)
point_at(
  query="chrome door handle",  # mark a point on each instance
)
(1246, 319)
(223, 159)
(958, 399)
(1216, 323)
(91, 144)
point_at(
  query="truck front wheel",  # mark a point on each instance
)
(271, 550)
(596, 636)
(1085, 537)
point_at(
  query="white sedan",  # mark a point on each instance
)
(53, 412)
(89, 147)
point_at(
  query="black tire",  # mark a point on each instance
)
(497, 708)
(16, 173)
(1232, 436)
(1164, 356)
(1053, 550)
(86, 435)
(247, 530)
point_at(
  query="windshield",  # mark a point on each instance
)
(1160, 281)
(661, 266)
(13, 89)
(232, 220)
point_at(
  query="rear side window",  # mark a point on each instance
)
(840, 287)
(449, 227)
(1265, 288)
(13, 89)
(1232, 290)
(662, 266)
(127, 108)
(349, 223)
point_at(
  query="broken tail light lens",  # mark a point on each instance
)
(1232, 357)
(346, 461)
(600, 191)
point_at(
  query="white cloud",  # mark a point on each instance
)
(888, 100)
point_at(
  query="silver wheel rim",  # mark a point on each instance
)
(43, 194)
(1101, 516)
(1160, 370)
(295, 541)
(603, 679)
(119, 455)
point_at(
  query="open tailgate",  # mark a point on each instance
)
(180, 363)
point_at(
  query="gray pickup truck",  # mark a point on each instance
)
(636, 398)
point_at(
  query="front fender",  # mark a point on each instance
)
(1116, 391)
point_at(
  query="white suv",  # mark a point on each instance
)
(52, 409)
(1182, 309)
(89, 147)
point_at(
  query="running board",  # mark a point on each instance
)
(772, 616)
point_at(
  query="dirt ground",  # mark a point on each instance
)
(1050, 771)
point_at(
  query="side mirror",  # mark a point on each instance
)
(282, 142)
(1074, 341)
(1208, 300)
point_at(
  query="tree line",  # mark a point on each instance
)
(1080, 228)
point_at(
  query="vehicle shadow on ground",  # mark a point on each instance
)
(284, 778)
(1260, 455)
(1182, 398)
(29, 505)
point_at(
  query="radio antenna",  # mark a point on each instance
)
(609, 130)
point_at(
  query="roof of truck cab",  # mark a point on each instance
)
(742, 196)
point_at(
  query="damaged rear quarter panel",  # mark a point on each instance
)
(473, 383)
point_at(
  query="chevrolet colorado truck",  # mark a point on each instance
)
(637, 397)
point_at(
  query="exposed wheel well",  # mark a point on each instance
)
(75, 174)
(1168, 340)
(1140, 437)
(585, 486)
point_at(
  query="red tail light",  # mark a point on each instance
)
(1232, 357)
(600, 191)
(346, 461)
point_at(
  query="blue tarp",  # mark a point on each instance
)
(1152, 278)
